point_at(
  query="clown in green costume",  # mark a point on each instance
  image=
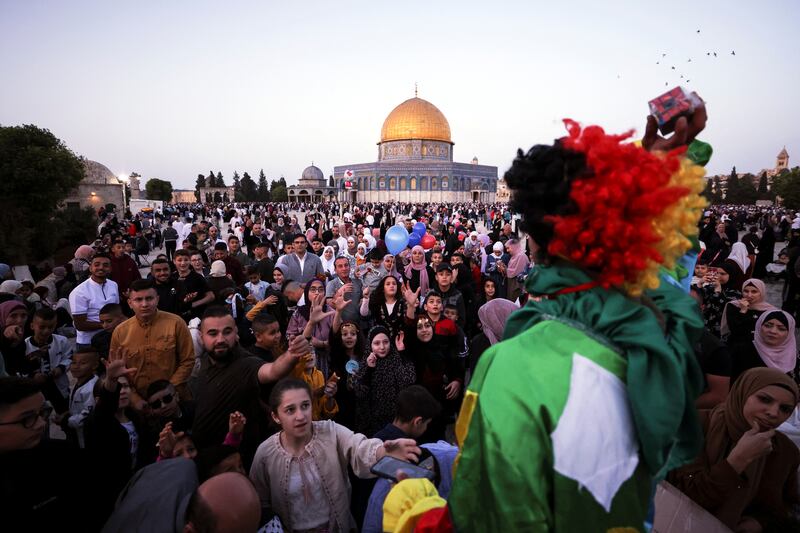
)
(590, 396)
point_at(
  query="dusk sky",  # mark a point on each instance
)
(172, 89)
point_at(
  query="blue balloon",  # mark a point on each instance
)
(420, 229)
(414, 239)
(396, 239)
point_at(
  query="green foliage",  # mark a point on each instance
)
(263, 194)
(220, 181)
(762, 184)
(237, 188)
(157, 189)
(280, 194)
(741, 191)
(37, 172)
(200, 182)
(787, 186)
(249, 188)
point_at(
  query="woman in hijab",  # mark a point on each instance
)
(390, 265)
(80, 263)
(492, 318)
(315, 325)
(739, 262)
(717, 292)
(739, 318)
(766, 250)
(350, 252)
(361, 254)
(10, 289)
(328, 260)
(746, 474)
(517, 265)
(383, 371)
(417, 273)
(13, 316)
(496, 264)
(774, 345)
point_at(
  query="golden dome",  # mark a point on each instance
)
(416, 119)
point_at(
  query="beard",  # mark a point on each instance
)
(222, 352)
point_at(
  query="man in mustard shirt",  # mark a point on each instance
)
(158, 343)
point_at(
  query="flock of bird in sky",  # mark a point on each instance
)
(673, 67)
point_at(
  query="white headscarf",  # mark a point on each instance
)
(328, 266)
(739, 256)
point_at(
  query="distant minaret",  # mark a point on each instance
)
(782, 162)
(133, 181)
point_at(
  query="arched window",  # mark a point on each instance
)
(383, 182)
(372, 183)
(413, 184)
(423, 183)
(454, 183)
(434, 184)
(445, 182)
(392, 183)
(403, 183)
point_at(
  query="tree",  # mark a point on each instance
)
(211, 180)
(263, 190)
(249, 188)
(708, 192)
(280, 194)
(787, 186)
(37, 172)
(237, 187)
(220, 181)
(157, 189)
(717, 190)
(199, 184)
(762, 184)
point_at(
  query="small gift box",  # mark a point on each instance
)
(672, 105)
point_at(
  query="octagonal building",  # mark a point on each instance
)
(415, 163)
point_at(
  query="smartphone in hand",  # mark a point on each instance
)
(388, 466)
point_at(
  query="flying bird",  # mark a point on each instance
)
(687, 81)
(689, 61)
(663, 55)
(658, 62)
(681, 75)
(733, 53)
(673, 68)
(715, 54)
(708, 53)
(698, 31)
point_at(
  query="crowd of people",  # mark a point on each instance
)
(257, 373)
(249, 323)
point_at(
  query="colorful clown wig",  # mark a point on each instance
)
(608, 205)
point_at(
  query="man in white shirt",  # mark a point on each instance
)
(86, 300)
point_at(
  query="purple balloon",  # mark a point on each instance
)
(420, 229)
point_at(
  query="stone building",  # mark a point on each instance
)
(415, 163)
(781, 165)
(183, 196)
(99, 187)
(503, 192)
(312, 187)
